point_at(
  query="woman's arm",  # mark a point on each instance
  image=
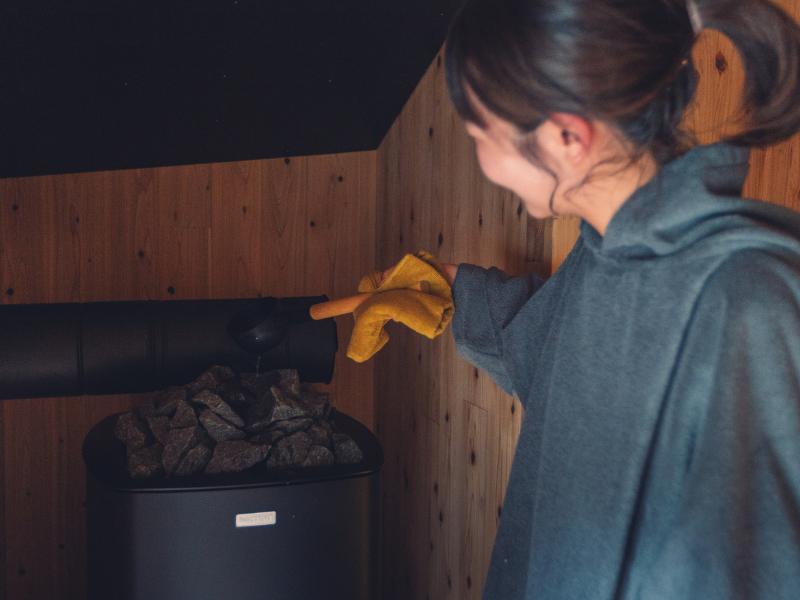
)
(733, 452)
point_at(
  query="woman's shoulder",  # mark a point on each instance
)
(758, 283)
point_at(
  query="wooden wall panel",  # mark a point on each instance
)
(339, 251)
(565, 233)
(44, 482)
(110, 203)
(27, 230)
(445, 428)
(235, 226)
(30, 501)
(285, 224)
(171, 233)
(181, 249)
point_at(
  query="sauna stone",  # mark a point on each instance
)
(195, 461)
(231, 457)
(184, 416)
(257, 383)
(224, 423)
(213, 380)
(291, 426)
(218, 405)
(317, 404)
(321, 434)
(318, 456)
(160, 428)
(285, 407)
(166, 403)
(132, 432)
(220, 430)
(146, 463)
(179, 442)
(347, 452)
(290, 451)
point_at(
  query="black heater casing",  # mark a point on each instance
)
(177, 539)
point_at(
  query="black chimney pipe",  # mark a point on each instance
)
(100, 348)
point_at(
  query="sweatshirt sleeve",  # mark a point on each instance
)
(486, 300)
(735, 529)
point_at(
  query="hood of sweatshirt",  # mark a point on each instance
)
(693, 200)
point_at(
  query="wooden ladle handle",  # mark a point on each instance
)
(343, 306)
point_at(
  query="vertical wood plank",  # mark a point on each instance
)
(341, 218)
(480, 460)
(67, 256)
(566, 230)
(184, 223)
(285, 225)
(446, 536)
(775, 174)
(145, 235)
(45, 484)
(27, 242)
(234, 249)
(30, 509)
(107, 228)
(115, 229)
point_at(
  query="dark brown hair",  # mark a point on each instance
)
(627, 63)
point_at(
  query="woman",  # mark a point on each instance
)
(659, 367)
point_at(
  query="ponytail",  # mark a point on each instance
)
(768, 41)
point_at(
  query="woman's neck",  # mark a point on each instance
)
(604, 193)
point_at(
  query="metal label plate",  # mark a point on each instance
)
(258, 519)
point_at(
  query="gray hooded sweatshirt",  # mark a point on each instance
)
(659, 369)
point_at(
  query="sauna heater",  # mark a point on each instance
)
(309, 534)
(261, 534)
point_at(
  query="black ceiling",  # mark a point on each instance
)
(92, 85)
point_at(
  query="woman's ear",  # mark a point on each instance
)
(573, 135)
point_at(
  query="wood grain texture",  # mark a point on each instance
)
(565, 233)
(45, 492)
(184, 221)
(285, 224)
(339, 250)
(176, 232)
(27, 232)
(445, 428)
(235, 227)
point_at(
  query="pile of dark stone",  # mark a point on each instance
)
(223, 423)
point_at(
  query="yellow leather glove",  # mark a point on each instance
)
(427, 313)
